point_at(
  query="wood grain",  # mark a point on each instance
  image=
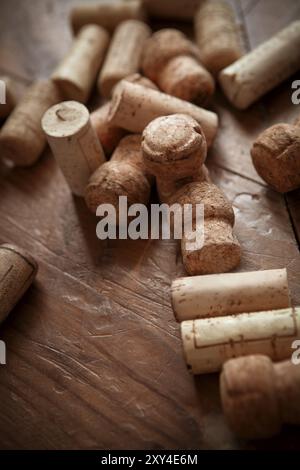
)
(94, 358)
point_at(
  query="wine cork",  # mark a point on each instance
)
(77, 73)
(108, 134)
(183, 10)
(217, 35)
(124, 55)
(258, 397)
(172, 62)
(220, 251)
(17, 271)
(74, 143)
(133, 108)
(259, 71)
(209, 342)
(218, 295)
(8, 96)
(21, 138)
(275, 156)
(123, 175)
(107, 14)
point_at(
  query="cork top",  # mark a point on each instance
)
(65, 119)
(22, 254)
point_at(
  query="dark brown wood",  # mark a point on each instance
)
(94, 356)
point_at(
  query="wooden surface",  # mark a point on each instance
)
(94, 356)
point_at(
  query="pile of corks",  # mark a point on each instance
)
(154, 127)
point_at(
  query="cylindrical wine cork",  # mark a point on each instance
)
(74, 143)
(172, 9)
(17, 271)
(262, 69)
(107, 14)
(77, 73)
(275, 156)
(171, 60)
(210, 342)
(8, 96)
(124, 55)
(217, 35)
(123, 175)
(258, 397)
(21, 138)
(226, 294)
(108, 134)
(134, 107)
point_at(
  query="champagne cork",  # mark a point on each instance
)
(174, 148)
(183, 10)
(275, 156)
(259, 71)
(209, 342)
(17, 271)
(124, 55)
(172, 62)
(220, 251)
(226, 294)
(217, 35)
(74, 143)
(21, 138)
(107, 14)
(8, 96)
(123, 175)
(258, 397)
(77, 73)
(134, 107)
(108, 134)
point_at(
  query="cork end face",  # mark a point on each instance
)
(20, 151)
(23, 254)
(65, 119)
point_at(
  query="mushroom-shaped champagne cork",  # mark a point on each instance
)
(171, 60)
(74, 143)
(262, 69)
(22, 139)
(217, 35)
(123, 175)
(209, 342)
(276, 156)
(134, 107)
(174, 148)
(107, 14)
(110, 135)
(220, 251)
(8, 96)
(217, 295)
(17, 271)
(258, 396)
(182, 10)
(77, 73)
(124, 54)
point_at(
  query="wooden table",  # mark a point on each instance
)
(94, 355)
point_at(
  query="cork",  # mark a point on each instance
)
(9, 95)
(106, 14)
(17, 271)
(77, 73)
(275, 156)
(124, 55)
(261, 70)
(134, 107)
(171, 60)
(182, 10)
(108, 134)
(258, 396)
(221, 251)
(218, 295)
(209, 342)
(74, 143)
(123, 175)
(217, 35)
(22, 140)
